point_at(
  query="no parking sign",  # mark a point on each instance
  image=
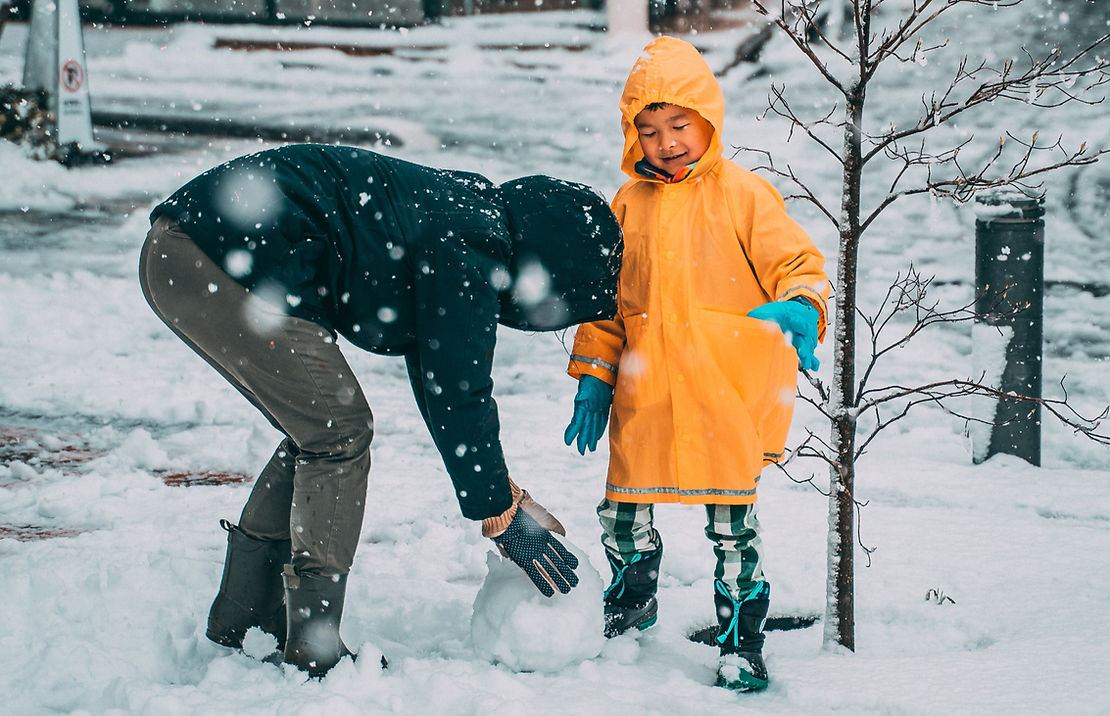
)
(72, 76)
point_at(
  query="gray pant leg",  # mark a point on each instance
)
(292, 371)
(267, 512)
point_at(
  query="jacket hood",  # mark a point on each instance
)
(672, 71)
(566, 253)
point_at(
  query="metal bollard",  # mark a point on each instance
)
(1007, 336)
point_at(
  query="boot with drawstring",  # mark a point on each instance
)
(251, 591)
(314, 605)
(740, 637)
(630, 599)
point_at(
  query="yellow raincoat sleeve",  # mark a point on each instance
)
(784, 259)
(597, 350)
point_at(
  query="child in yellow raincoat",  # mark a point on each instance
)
(721, 297)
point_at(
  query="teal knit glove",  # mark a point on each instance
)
(591, 413)
(798, 319)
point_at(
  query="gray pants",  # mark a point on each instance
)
(313, 490)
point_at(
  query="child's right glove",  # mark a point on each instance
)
(798, 317)
(591, 413)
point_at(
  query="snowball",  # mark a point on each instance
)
(257, 644)
(513, 624)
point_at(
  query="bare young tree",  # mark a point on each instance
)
(897, 161)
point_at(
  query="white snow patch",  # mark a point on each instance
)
(515, 625)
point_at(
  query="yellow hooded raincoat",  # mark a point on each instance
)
(704, 394)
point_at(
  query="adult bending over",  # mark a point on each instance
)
(258, 264)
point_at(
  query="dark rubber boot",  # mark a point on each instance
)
(314, 605)
(251, 592)
(741, 666)
(630, 599)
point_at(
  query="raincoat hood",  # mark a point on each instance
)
(672, 71)
(566, 254)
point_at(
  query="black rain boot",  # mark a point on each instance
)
(251, 592)
(741, 666)
(630, 599)
(314, 605)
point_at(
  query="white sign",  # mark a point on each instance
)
(55, 62)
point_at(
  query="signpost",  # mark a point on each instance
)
(55, 63)
(1008, 337)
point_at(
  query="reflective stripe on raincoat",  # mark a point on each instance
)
(704, 395)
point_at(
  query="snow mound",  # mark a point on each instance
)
(514, 625)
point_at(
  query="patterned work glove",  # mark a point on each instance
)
(591, 413)
(798, 319)
(539, 553)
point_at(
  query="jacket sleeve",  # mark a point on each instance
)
(785, 260)
(597, 350)
(598, 345)
(451, 376)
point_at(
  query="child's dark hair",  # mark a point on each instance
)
(654, 106)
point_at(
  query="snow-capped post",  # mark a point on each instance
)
(55, 64)
(1008, 331)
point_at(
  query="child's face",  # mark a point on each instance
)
(672, 136)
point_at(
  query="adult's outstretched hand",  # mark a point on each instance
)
(541, 555)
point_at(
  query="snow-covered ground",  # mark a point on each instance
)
(988, 591)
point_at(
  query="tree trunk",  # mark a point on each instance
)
(840, 602)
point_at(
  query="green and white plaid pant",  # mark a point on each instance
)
(628, 528)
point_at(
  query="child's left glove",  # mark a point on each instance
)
(796, 317)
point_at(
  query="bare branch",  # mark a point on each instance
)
(1043, 76)
(940, 392)
(806, 450)
(808, 21)
(883, 423)
(821, 388)
(905, 294)
(778, 104)
(799, 39)
(859, 531)
(811, 480)
(964, 185)
(807, 194)
(914, 22)
(919, 52)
